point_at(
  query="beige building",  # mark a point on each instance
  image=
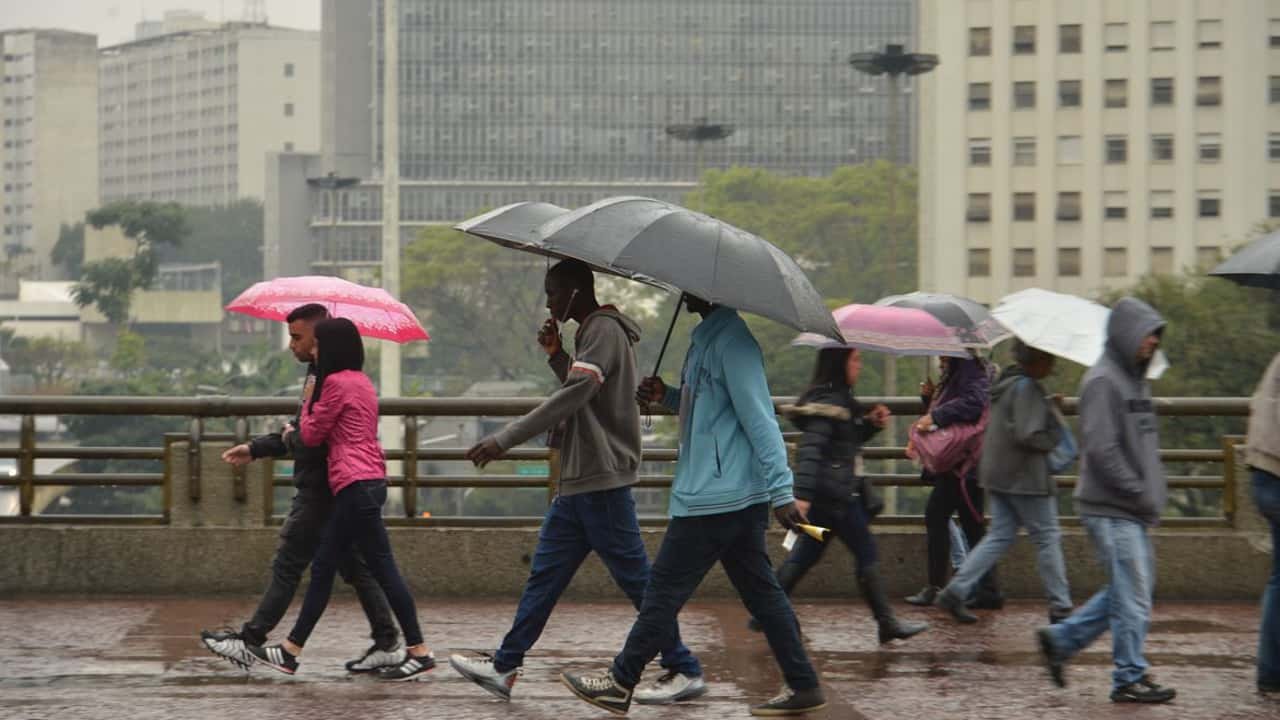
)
(190, 116)
(48, 145)
(1079, 145)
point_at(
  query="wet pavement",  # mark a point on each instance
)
(141, 659)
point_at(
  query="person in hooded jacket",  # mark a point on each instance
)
(1023, 428)
(1263, 457)
(961, 396)
(829, 487)
(1121, 492)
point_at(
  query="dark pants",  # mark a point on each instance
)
(357, 522)
(690, 548)
(1266, 495)
(574, 526)
(299, 539)
(847, 521)
(953, 496)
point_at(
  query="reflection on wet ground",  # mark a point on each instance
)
(138, 659)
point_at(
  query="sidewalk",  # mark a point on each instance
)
(134, 659)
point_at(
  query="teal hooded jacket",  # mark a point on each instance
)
(731, 450)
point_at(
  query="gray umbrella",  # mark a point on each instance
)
(654, 241)
(1256, 264)
(513, 226)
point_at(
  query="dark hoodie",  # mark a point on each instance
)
(835, 428)
(1120, 471)
(597, 403)
(310, 463)
(1021, 431)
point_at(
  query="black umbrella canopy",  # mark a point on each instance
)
(1255, 265)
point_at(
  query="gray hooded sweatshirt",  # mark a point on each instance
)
(597, 403)
(1120, 471)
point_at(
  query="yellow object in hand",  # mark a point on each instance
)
(814, 531)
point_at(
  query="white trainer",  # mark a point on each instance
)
(480, 671)
(671, 687)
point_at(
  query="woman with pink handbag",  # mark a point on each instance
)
(948, 442)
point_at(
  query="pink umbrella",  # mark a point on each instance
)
(375, 313)
(889, 329)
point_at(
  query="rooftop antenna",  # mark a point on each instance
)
(255, 12)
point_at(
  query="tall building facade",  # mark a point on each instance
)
(190, 116)
(1078, 146)
(48, 162)
(568, 101)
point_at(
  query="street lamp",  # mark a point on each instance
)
(894, 62)
(698, 132)
(332, 183)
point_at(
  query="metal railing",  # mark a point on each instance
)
(201, 409)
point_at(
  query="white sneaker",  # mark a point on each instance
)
(671, 687)
(480, 671)
(228, 645)
(374, 660)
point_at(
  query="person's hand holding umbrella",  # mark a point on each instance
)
(651, 390)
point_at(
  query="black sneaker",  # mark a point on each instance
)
(954, 604)
(599, 690)
(792, 702)
(376, 658)
(276, 658)
(925, 597)
(229, 645)
(1053, 659)
(1145, 690)
(413, 668)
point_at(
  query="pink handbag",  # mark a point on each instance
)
(954, 448)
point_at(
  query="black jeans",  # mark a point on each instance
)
(357, 522)
(690, 548)
(299, 540)
(847, 521)
(954, 496)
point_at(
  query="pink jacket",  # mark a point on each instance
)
(346, 418)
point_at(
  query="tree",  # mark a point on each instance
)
(108, 284)
(50, 361)
(68, 251)
(230, 235)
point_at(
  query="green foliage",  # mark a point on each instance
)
(230, 235)
(108, 284)
(50, 361)
(130, 354)
(68, 251)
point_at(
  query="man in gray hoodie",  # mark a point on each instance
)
(593, 509)
(1121, 492)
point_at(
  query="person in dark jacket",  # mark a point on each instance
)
(962, 395)
(1121, 493)
(829, 486)
(1022, 430)
(300, 534)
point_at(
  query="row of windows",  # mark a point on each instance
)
(1115, 261)
(1115, 206)
(1115, 93)
(1115, 37)
(1115, 149)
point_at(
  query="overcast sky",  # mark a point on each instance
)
(112, 20)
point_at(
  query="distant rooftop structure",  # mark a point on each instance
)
(173, 21)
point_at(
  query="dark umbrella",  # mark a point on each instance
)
(970, 319)
(654, 241)
(1255, 265)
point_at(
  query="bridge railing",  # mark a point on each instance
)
(413, 458)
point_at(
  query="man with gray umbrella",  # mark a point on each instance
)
(732, 470)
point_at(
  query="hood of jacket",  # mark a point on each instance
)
(609, 311)
(1005, 382)
(1131, 321)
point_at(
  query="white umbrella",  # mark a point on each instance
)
(1064, 325)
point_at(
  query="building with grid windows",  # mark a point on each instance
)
(1078, 146)
(569, 101)
(48, 133)
(190, 116)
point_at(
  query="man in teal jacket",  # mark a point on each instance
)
(732, 469)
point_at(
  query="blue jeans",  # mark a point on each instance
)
(357, 522)
(1123, 605)
(575, 525)
(1266, 495)
(691, 547)
(1039, 515)
(847, 521)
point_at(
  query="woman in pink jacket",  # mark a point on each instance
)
(343, 413)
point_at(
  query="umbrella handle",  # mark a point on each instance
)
(648, 418)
